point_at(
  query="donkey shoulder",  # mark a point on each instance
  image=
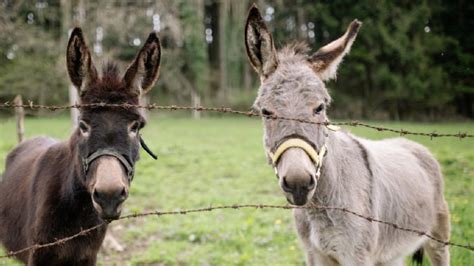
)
(400, 145)
(15, 189)
(425, 157)
(26, 153)
(28, 148)
(401, 151)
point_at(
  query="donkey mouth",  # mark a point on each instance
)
(110, 215)
(298, 199)
(108, 212)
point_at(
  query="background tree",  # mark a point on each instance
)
(412, 59)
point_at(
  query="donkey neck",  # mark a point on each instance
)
(344, 174)
(74, 188)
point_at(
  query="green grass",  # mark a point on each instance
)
(216, 161)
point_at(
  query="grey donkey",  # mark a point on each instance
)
(395, 180)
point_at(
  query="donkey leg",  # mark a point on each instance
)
(313, 256)
(303, 229)
(362, 260)
(438, 252)
(41, 257)
(394, 262)
(321, 259)
(316, 258)
(83, 262)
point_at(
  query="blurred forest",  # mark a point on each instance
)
(411, 59)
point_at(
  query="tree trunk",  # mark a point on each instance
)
(223, 13)
(367, 108)
(212, 11)
(218, 11)
(300, 20)
(66, 25)
(247, 76)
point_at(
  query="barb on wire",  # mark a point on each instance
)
(154, 106)
(237, 207)
(55, 243)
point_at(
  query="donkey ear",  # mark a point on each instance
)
(259, 44)
(326, 60)
(142, 74)
(79, 62)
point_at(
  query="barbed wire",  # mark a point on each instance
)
(84, 232)
(236, 207)
(153, 106)
(55, 243)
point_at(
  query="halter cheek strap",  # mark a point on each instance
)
(103, 152)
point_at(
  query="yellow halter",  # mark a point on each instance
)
(316, 157)
(298, 143)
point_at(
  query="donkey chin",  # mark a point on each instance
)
(296, 174)
(109, 212)
(110, 188)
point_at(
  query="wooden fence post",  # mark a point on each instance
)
(20, 117)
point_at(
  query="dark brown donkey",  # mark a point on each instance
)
(52, 189)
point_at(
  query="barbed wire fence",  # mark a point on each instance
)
(84, 232)
(153, 106)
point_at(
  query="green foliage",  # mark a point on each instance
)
(194, 47)
(29, 55)
(411, 59)
(392, 66)
(216, 161)
(44, 82)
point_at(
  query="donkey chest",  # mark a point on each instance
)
(324, 234)
(82, 248)
(335, 233)
(64, 220)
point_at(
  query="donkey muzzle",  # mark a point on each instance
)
(109, 204)
(298, 190)
(110, 188)
(296, 173)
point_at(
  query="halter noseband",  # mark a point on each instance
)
(315, 156)
(86, 162)
(129, 167)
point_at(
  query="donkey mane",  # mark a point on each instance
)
(300, 48)
(292, 59)
(294, 52)
(110, 88)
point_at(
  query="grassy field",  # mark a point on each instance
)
(215, 161)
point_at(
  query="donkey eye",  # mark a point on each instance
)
(84, 127)
(135, 127)
(319, 109)
(265, 112)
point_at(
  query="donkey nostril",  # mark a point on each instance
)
(285, 185)
(312, 183)
(96, 195)
(123, 194)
